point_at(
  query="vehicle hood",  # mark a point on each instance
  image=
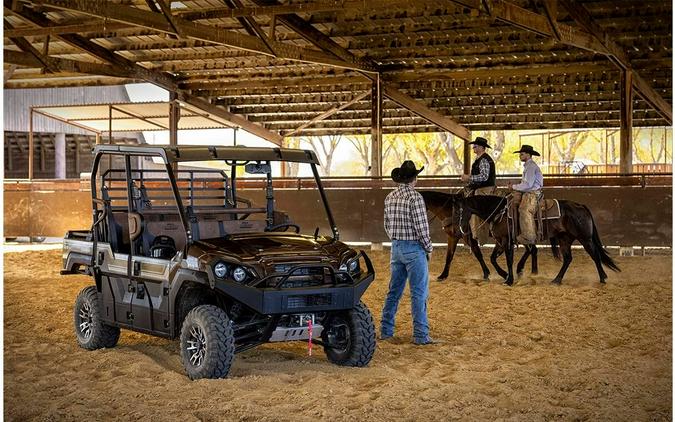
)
(257, 246)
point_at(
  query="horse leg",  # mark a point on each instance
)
(475, 248)
(523, 260)
(509, 264)
(493, 258)
(565, 244)
(594, 253)
(535, 263)
(452, 246)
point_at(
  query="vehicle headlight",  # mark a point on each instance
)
(353, 265)
(343, 267)
(239, 274)
(220, 269)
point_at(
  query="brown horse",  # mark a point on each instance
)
(445, 208)
(575, 223)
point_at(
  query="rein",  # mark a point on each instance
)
(461, 211)
(442, 206)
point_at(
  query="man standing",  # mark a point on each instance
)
(481, 182)
(406, 224)
(527, 194)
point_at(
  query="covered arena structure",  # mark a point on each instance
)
(280, 69)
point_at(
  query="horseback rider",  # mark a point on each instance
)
(482, 181)
(526, 195)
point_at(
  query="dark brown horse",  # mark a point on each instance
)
(575, 223)
(445, 208)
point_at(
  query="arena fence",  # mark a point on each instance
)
(629, 210)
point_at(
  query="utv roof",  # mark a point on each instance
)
(207, 153)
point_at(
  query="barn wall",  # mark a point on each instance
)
(625, 215)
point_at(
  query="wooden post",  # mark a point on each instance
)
(77, 154)
(626, 134)
(174, 117)
(467, 157)
(376, 129)
(31, 145)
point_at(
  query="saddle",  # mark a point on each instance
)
(547, 209)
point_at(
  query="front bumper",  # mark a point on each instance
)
(327, 297)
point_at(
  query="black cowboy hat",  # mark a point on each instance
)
(528, 149)
(480, 141)
(406, 173)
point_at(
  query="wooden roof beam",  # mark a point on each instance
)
(325, 43)
(63, 29)
(313, 7)
(31, 51)
(166, 11)
(327, 114)
(157, 22)
(594, 40)
(158, 78)
(64, 65)
(619, 57)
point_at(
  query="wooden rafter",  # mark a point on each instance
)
(62, 29)
(310, 7)
(326, 114)
(64, 65)
(325, 43)
(166, 11)
(163, 80)
(591, 38)
(619, 57)
(157, 22)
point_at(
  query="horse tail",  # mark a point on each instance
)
(597, 244)
(555, 250)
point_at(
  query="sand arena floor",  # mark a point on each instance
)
(581, 351)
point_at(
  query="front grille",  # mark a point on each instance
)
(306, 301)
(302, 277)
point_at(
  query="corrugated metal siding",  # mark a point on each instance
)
(18, 103)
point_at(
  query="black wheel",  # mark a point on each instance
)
(207, 343)
(90, 331)
(349, 337)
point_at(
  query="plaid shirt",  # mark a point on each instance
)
(484, 167)
(405, 216)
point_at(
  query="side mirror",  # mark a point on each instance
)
(253, 168)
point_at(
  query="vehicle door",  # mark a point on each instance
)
(156, 236)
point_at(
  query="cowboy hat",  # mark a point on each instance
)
(406, 173)
(480, 141)
(527, 149)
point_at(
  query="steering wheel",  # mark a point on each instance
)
(276, 227)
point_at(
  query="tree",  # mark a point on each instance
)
(324, 147)
(362, 145)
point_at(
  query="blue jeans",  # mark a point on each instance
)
(408, 261)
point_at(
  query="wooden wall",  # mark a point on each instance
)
(625, 215)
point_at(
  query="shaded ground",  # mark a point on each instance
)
(531, 352)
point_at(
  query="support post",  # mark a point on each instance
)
(626, 134)
(77, 155)
(467, 157)
(376, 129)
(60, 155)
(174, 116)
(31, 145)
